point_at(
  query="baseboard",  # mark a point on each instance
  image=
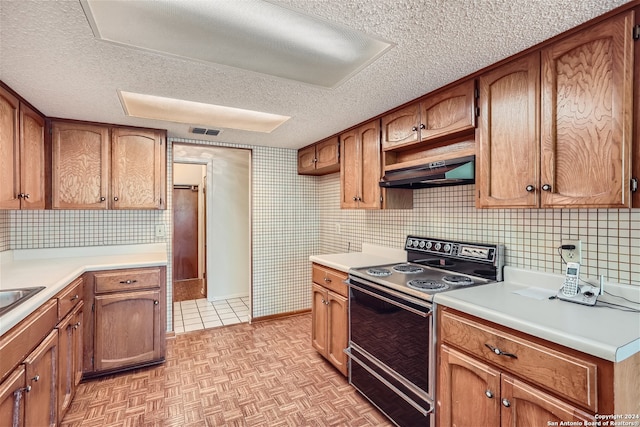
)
(280, 315)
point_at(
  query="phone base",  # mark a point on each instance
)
(585, 296)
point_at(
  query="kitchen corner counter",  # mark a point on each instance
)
(56, 268)
(371, 255)
(601, 331)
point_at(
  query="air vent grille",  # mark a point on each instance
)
(203, 131)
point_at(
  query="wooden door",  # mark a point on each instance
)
(138, 169)
(41, 370)
(508, 133)
(319, 319)
(337, 330)
(185, 233)
(587, 105)
(401, 127)
(80, 173)
(328, 153)
(371, 167)
(32, 159)
(350, 166)
(69, 358)
(524, 406)
(469, 391)
(307, 160)
(12, 391)
(448, 113)
(127, 329)
(9, 151)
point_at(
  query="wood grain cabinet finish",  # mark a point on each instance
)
(330, 307)
(98, 167)
(22, 155)
(125, 327)
(41, 369)
(12, 392)
(321, 158)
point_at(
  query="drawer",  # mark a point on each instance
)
(571, 377)
(330, 279)
(127, 280)
(69, 297)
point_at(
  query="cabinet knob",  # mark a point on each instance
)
(422, 126)
(102, 199)
(415, 128)
(506, 403)
(546, 187)
(36, 378)
(156, 302)
(326, 279)
(75, 297)
(19, 196)
(489, 394)
(128, 282)
(530, 188)
(355, 198)
(27, 388)
(26, 196)
(115, 199)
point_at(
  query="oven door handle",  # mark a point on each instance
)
(406, 398)
(393, 302)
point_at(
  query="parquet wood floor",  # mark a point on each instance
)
(262, 374)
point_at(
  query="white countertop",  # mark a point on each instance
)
(370, 255)
(56, 268)
(601, 331)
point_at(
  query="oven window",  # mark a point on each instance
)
(397, 337)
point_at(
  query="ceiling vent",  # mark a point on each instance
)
(203, 131)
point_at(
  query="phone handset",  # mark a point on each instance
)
(570, 287)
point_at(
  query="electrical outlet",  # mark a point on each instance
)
(572, 255)
(159, 230)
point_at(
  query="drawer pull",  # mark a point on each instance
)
(499, 352)
(489, 394)
(36, 378)
(327, 280)
(76, 326)
(155, 302)
(75, 297)
(506, 403)
(128, 282)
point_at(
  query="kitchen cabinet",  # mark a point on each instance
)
(361, 171)
(445, 114)
(22, 154)
(101, 167)
(12, 392)
(502, 377)
(41, 369)
(125, 328)
(330, 319)
(569, 145)
(321, 158)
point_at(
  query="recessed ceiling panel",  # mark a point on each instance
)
(249, 34)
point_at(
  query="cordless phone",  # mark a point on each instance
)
(571, 291)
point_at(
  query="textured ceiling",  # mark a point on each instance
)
(48, 54)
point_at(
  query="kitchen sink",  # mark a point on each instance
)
(11, 298)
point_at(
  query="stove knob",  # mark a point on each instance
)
(415, 243)
(438, 246)
(447, 247)
(409, 242)
(422, 243)
(429, 244)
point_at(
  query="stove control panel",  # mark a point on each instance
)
(471, 251)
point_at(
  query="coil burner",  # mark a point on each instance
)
(427, 285)
(458, 280)
(408, 269)
(379, 272)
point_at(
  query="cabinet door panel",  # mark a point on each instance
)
(80, 176)
(127, 329)
(371, 166)
(327, 154)
(9, 151)
(587, 92)
(138, 169)
(349, 169)
(319, 319)
(32, 159)
(448, 113)
(12, 392)
(401, 127)
(41, 370)
(337, 330)
(469, 393)
(307, 160)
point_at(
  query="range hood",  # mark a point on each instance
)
(458, 171)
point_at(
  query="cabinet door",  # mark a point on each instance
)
(41, 370)
(338, 330)
(523, 405)
(469, 391)
(350, 166)
(138, 169)
(508, 150)
(587, 91)
(127, 329)
(70, 356)
(371, 167)
(319, 318)
(448, 113)
(307, 160)
(32, 159)
(12, 392)
(9, 151)
(80, 173)
(401, 127)
(328, 154)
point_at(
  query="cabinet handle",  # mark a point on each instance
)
(422, 126)
(506, 403)
(115, 199)
(156, 302)
(76, 326)
(36, 378)
(499, 352)
(355, 198)
(128, 282)
(26, 196)
(102, 199)
(75, 297)
(414, 129)
(489, 394)
(326, 279)
(546, 187)
(530, 188)
(19, 196)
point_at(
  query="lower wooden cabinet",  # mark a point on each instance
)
(41, 368)
(70, 357)
(330, 308)
(125, 326)
(12, 392)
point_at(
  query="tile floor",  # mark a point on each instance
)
(194, 315)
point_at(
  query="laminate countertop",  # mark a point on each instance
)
(56, 268)
(371, 255)
(522, 303)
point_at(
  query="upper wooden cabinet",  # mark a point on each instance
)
(97, 167)
(320, 158)
(566, 143)
(444, 114)
(22, 155)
